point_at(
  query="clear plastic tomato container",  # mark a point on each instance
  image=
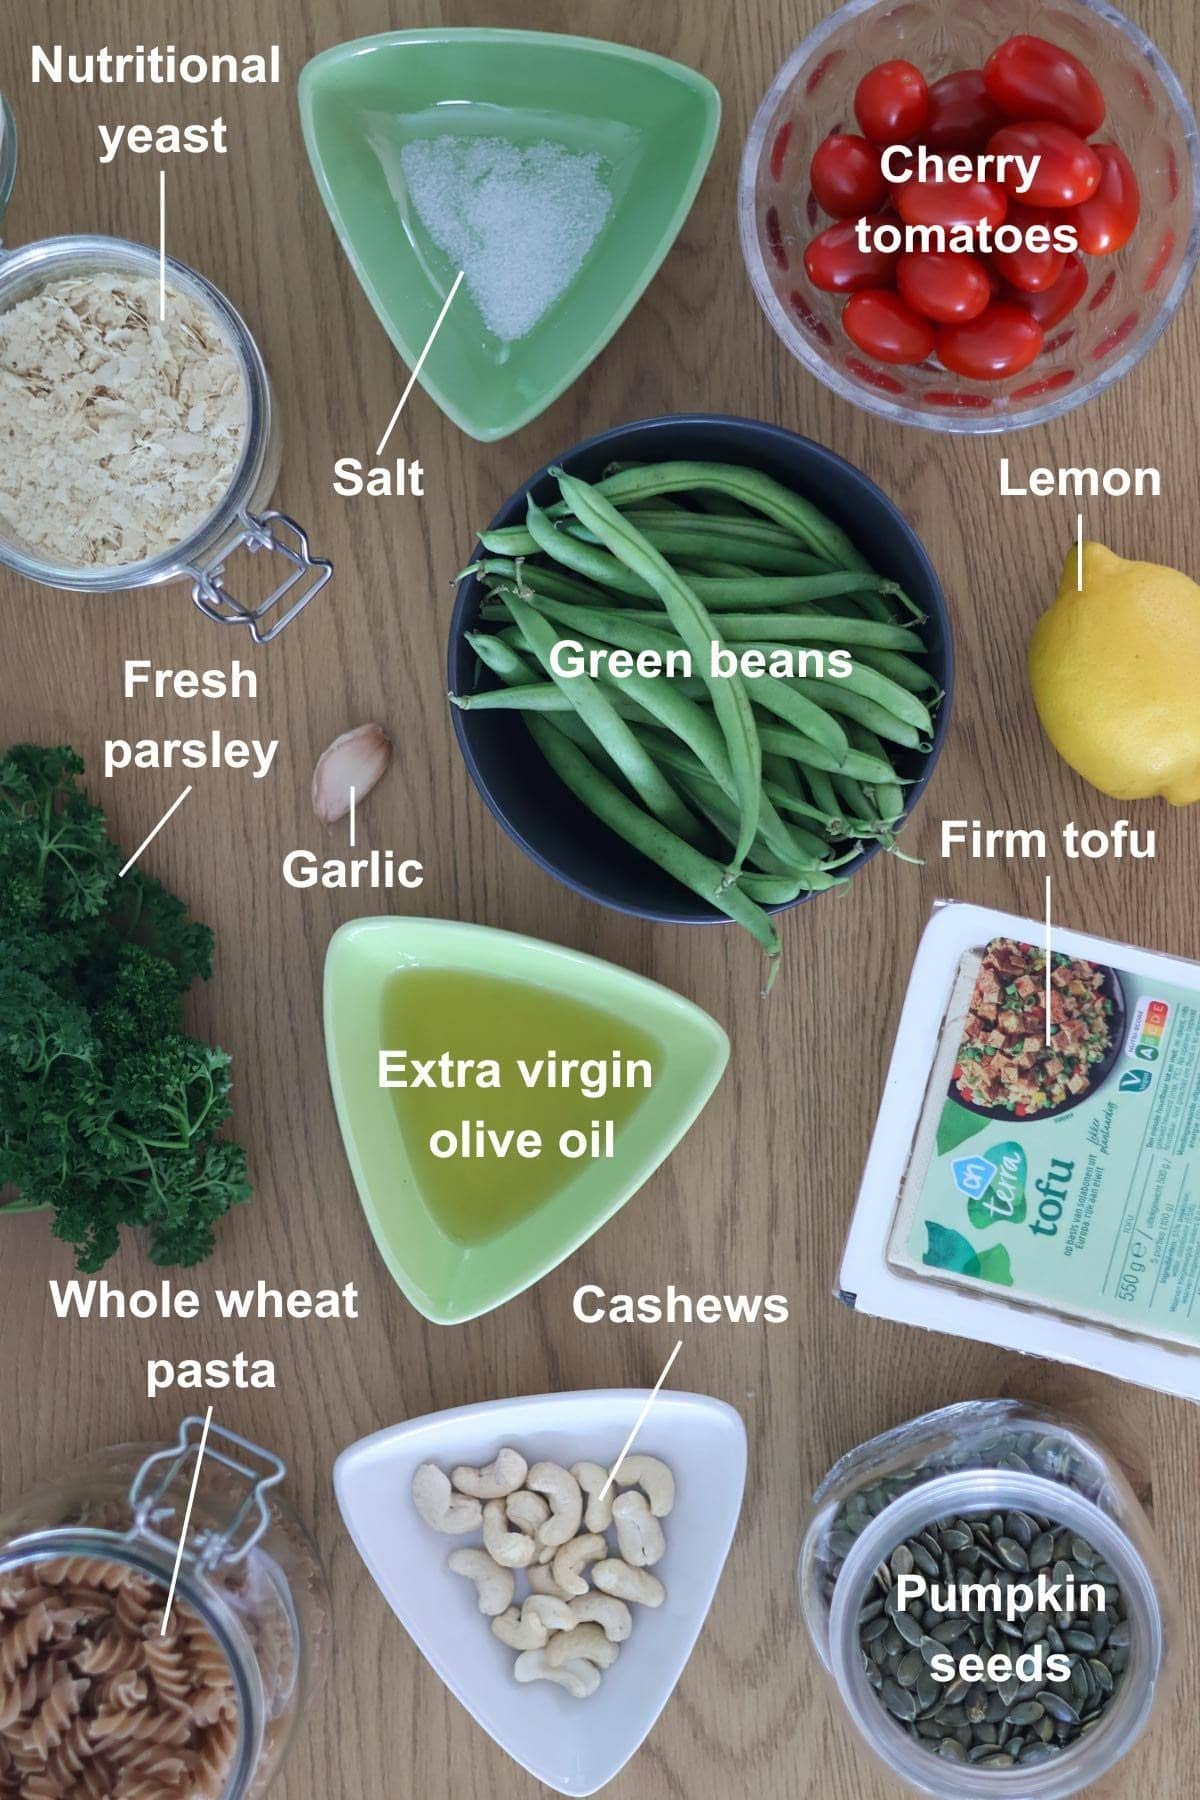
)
(965, 1462)
(1132, 296)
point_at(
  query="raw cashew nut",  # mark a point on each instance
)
(542, 1581)
(587, 1643)
(612, 1614)
(579, 1678)
(639, 1534)
(494, 1585)
(655, 1480)
(555, 1615)
(573, 1558)
(440, 1506)
(500, 1478)
(530, 1628)
(566, 1502)
(512, 1549)
(528, 1512)
(616, 1577)
(593, 1478)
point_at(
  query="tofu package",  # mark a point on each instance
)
(1034, 1176)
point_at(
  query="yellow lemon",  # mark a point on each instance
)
(1115, 671)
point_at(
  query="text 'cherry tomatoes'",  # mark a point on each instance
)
(953, 203)
(943, 286)
(891, 103)
(1001, 341)
(880, 323)
(1107, 221)
(1067, 170)
(962, 114)
(846, 176)
(1030, 78)
(1052, 305)
(1032, 270)
(836, 264)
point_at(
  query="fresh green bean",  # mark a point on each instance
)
(774, 832)
(856, 804)
(585, 559)
(735, 714)
(868, 682)
(781, 890)
(820, 786)
(601, 718)
(837, 698)
(672, 854)
(502, 659)
(749, 593)
(809, 628)
(812, 755)
(690, 535)
(757, 491)
(889, 795)
(549, 580)
(901, 669)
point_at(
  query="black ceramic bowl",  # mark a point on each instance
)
(530, 802)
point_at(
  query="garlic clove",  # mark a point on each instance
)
(355, 760)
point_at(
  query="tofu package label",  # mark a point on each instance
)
(1061, 1169)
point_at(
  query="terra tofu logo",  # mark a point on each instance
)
(994, 1185)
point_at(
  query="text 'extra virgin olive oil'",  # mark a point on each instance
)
(503, 1090)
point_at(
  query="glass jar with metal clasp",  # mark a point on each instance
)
(242, 517)
(194, 1666)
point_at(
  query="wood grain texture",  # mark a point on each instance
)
(759, 1195)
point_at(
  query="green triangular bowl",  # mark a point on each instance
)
(448, 1281)
(653, 122)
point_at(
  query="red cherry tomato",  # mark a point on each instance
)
(1068, 170)
(846, 176)
(1107, 221)
(1052, 305)
(943, 286)
(892, 103)
(1001, 341)
(836, 264)
(962, 114)
(1029, 78)
(880, 323)
(1031, 270)
(953, 203)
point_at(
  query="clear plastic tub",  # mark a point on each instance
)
(967, 1461)
(1132, 296)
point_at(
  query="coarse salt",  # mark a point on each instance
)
(119, 433)
(519, 221)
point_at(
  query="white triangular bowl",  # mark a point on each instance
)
(573, 1746)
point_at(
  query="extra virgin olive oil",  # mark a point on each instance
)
(450, 1035)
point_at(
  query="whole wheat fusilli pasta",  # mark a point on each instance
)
(95, 1701)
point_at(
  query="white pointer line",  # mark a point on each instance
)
(162, 244)
(187, 1520)
(420, 364)
(1079, 553)
(174, 807)
(1049, 1026)
(640, 1421)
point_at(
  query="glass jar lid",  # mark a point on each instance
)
(8, 155)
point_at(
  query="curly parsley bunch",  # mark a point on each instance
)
(109, 1111)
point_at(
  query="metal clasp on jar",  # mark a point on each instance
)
(262, 531)
(154, 1504)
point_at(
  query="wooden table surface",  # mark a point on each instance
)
(758, 1197)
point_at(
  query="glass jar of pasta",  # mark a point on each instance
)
(129, 1670)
